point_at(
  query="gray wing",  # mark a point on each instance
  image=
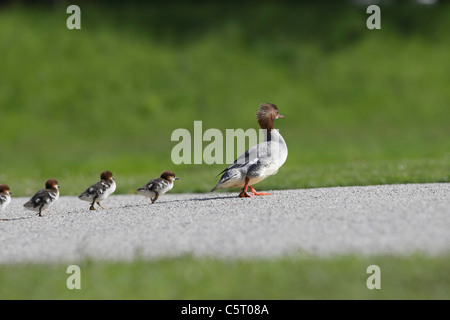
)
(41, 198)
(254, 155)
(156, 184)
(95, 190)
(2, 199)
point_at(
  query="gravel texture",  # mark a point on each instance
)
(388, 219)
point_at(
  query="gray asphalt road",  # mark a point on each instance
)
(398, 219)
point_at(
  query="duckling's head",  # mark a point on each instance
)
(4, 189)
(52, 184)
(107, 175)
(169, 175)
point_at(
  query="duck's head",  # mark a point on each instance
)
(266, 115)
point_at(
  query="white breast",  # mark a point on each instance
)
(278, 154)
(6, 200)
(108, 191)
(166, 188)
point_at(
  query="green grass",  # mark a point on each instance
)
(302, 277)
(362, 107)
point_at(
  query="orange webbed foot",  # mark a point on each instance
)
(258, 193)
(244, 194)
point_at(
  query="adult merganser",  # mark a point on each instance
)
(158, 186)
(99, 191)
(261, 160)
(5, 197)
(45, 198)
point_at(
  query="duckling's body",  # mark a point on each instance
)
(158, 186)
(5, 196)
(99, 191)
(45, 198)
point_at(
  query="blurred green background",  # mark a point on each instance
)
(362, 106)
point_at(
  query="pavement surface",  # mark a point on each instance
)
(388, 219)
